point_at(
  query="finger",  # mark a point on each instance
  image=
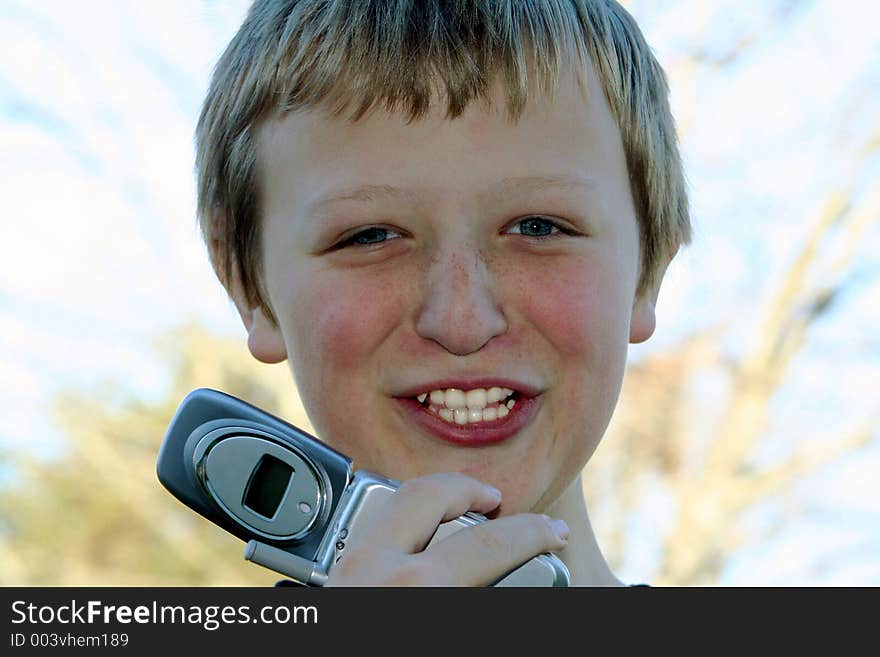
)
(479, 555)
(411, 516)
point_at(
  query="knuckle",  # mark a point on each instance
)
(416, 487)
(536, 529)
(434, 484)
(542, 529)
(494, 546)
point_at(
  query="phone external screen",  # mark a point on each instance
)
(267, 486)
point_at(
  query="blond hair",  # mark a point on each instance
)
(351, 56)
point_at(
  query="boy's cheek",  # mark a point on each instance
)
(339, 322)
(573, 307)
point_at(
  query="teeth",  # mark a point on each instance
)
(468, 407)
(476, 399)
(472, 415)
(453, 398)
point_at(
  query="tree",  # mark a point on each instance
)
(97, 514)
(705, 465)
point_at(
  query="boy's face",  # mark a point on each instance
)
(448, 283)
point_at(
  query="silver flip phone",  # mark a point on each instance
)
(293, 499)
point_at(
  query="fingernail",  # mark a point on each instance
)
(560, 527)
(494, 492)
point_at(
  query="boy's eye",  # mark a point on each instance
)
(368, 237)
(537, 227)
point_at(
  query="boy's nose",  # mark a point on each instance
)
(459, 308)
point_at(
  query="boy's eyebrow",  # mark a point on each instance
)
(504, 187)
(507, 185)
(361, 193)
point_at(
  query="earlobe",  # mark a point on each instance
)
(643, 321)
(265, 341)
(644, 318)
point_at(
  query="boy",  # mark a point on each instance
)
(450, 218)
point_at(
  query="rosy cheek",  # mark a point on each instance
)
(339, 323)
(565, 304)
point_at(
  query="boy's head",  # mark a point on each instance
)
(405, 197)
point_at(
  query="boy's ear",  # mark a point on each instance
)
(644, 317)
(265, 341)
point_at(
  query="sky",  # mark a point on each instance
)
(98, 102)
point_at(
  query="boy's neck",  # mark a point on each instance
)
(582, 555)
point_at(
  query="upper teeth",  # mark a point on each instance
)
(478, 398)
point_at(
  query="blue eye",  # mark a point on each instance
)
(368, 237)
(537, 227)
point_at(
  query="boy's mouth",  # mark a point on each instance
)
(467, 413)
(460, 407)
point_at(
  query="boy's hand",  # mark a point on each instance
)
(392, 551)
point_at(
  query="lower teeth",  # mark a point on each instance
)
(472, 416)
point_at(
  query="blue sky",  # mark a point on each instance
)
(98, 101)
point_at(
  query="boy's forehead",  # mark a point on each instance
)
(551, 136)
(580, 85)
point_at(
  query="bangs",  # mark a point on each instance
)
(352, 57)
